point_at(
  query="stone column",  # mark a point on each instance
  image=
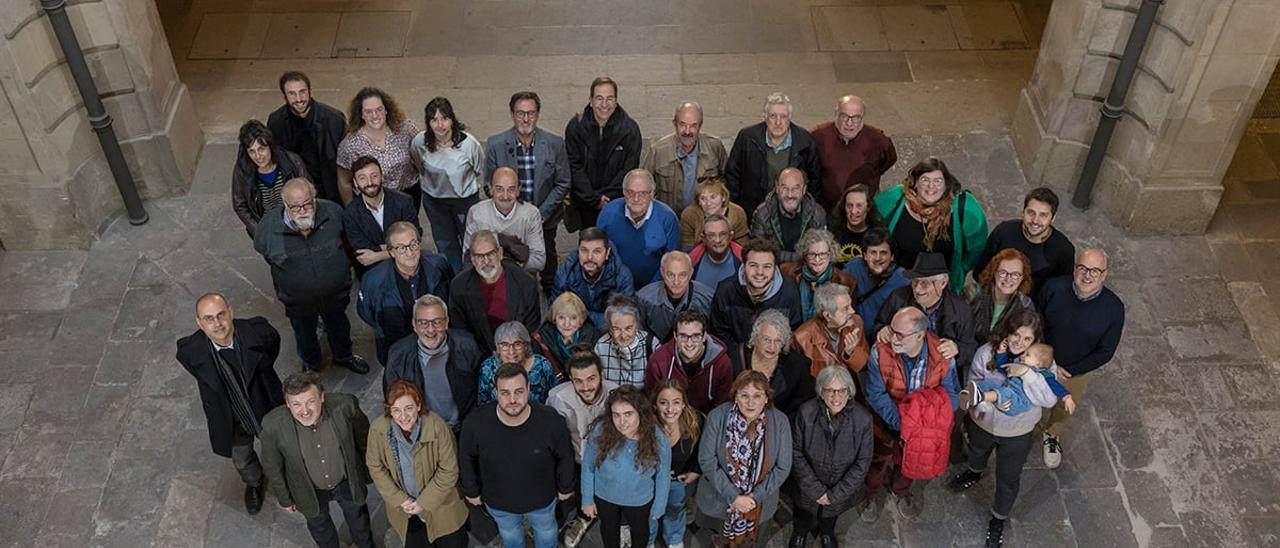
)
(56, 190)
(1205, 66)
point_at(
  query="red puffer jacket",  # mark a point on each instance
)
(926, 432)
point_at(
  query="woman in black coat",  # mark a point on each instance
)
(258, 177)
(768, 351)
(831, 445)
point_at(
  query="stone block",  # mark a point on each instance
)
(1038, 535)
(1172, 210)
(1208, 530)
(1129, 442)
(134, 493)
(150, 428)
(1098, 518)
(55, 96)
(795, 68)
(1234, 77)
(987, 26)
(88, 464)
(1084, 455)
(1242, 436)
(230, 526)
(1173, 302)
(492, 71)
(573, 71)
(1265, 531)
(644, 69)
(849, 28)
(1218, 341)
(39, 281)
(1248, 29)
(146, 311)
(301, 35)
(70, 517)
(1147, 497)
(919, 27)
(1254, 486)
(24, 503)
(719, 68)
(230, 36)
(104, 412)
(14, 399)
(40, 50)
(135, 532)
(372, 34)
(866, 67)
(1262, 319)
(24, 327)
(36, 454)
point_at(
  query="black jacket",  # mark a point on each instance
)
(748, 171)
(830, 457)
(466, 304)
(362, 229)
(463, 368)
(983, 306)
(733, 313)
(791, 382)
(327, 127)
(258, 344)
(598, 161)
(955, 321)
(244, 184)
(312, 273)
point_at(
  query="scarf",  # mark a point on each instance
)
(402, 449)
(748, 465)
(935, 218)
(807, 284)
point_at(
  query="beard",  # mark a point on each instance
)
(305, 222)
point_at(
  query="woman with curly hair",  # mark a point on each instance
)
(940, 217)
(625, 466)
(377, 127)
(1004, 287)
(449, 162)
(682, 424)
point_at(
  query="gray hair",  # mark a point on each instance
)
(838, 374)
(484, 234)
(919, 320)
(715, 219)
(639, 172)
(813, 236)
(430, 300)
(778, 98)
(824, 299)
(772, 317)
(623, 308)
(1098, 250)
(689, 104)
(676, 256)
(512, 331)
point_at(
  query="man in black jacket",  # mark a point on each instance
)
(233, 363)
(302, 242)
(312, 130)
(493, 292)
(366, 220)
(950, 318)
(762, 151)
(443, 362)
(757, 287)
(603, 144)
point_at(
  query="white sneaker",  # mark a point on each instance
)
(625, 534)
(1052, 451)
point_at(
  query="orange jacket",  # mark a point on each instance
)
(812, 341)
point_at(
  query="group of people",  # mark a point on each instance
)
(738, 329)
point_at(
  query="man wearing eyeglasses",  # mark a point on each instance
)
(641, 229)
(389, 289)
(302, 242)
(542, 164)
(851, 151)
(696, 360)
(492, 292)
(950, 317)
(603, 143)
(444, 362)
(1083, 321)
(365, 221)
(506, 214)
(1050, 252)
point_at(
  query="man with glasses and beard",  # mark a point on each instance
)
(492, 292)
(443, 362)
(389, 289)
(949, 315)
(302, 242)
(366, 219)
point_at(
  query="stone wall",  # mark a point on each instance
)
(1204, 67)
(56, 189)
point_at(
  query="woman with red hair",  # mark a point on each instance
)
(1004, 287)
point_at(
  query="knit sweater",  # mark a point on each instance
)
(449, 172)
(618, 478)
(524, 223)
(641, 249)
(515, 469)
(1084, 334)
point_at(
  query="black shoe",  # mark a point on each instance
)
(964, 480)
(356, 364)
(828, 541)
(798, 540)
(253, 499)
(995, 533)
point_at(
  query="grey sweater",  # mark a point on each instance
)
(1000, 424)
(715, 490)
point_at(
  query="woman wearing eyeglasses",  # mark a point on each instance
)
(512, 341)
(831, 453)
(1004, 287)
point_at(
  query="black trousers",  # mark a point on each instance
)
(548, 275)
(1011, 455)
(805, 522)
(613, 517)
(357, 516)
(416, 536)
(243, 456)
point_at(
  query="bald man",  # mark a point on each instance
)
(851, 151)
(680, 159)
(233, 364)
(786, 213)
(507, 215)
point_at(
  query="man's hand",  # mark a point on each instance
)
(743, 504)
(948, 348)
(291, 508)
(1063, 374)
(824, 500)
(851, 339)
(603, 200)
(367, 257)
(883, 335)
(589, 510)
(474, 501)
(411, 507)
(688, 478)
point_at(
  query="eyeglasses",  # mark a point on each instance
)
(843, 118)
(1090, 272)
(411, 246)
(690, 337)
(604, 99)
(427, 322)
(932, 182)
(819, 255)
(898, 335)
(410, 409)
(512, 345)
(838, 392)
(526, 114)
(304, 206)
(486, 256)
(1008, 275)
(637, 193)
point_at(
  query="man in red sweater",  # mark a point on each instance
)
(851, 151)
(696, 360)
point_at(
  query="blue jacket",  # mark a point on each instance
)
(362, 230)
(641, 249)
(379, 303)
(871, 297)
(615, 277)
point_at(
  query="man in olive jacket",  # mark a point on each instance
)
(313, 451)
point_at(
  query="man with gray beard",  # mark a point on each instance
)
(302, 242)
(492, 292)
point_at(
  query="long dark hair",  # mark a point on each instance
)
(611, 440)
(443, 106)
(355, 120)
(1023, 317)
(837, 211)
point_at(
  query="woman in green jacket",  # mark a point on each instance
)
(414, 464)
(940, 218)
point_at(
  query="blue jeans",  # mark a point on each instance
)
(448, 218)
(1010, 391)
(337, 328)
(511, 526)
(673, 521)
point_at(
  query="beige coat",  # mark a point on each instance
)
(435, 462)
(668, 175)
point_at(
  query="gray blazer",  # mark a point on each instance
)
(715, 491)
(550, 172)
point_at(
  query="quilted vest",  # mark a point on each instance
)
(894, 374)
